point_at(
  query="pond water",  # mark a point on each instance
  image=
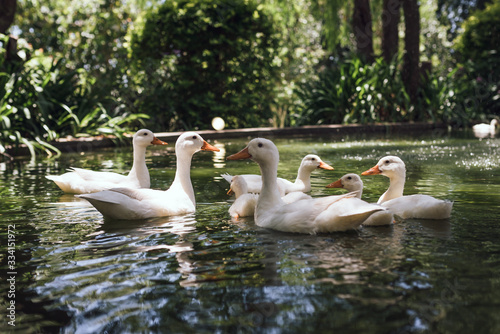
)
(204, 273)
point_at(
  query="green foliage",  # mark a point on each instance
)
(41, 100)
(478, 48)
(209, 58)
(480, 39)
(351, 91)
(300, 51)
(92, 66)
(452, 12)
(92, 36)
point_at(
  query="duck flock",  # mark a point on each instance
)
(274, 202)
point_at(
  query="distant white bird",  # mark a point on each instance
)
(82, 181)
(410, 206)
(484, 130)
(302, 183)
(352, 183)
(310, 215)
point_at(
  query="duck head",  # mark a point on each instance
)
(261, 150)
(193, 142)
(389, 166)
(145, 137)
(350, 182)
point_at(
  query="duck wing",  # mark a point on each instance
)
(90, 175)
(419, 206)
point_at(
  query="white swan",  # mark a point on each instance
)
(352, 182)
(245, 202)
(484, 130)
(82, 181)
(411, 206)
(127, 203)
(311, 215)
(302, 183)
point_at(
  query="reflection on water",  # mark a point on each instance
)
(219, 158)
(205, 272)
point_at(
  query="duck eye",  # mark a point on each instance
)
(387, 161)
(194, 137)
(145, 134)
(260, 145)
(313, 159)
(349, 178)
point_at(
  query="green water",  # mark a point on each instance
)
(204, 273)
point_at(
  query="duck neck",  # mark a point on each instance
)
(269, 194)
(304, 178)
(238, 191)
(359, 190)
(396, 187)
(182, 180)
(139, 171)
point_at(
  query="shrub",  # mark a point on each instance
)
(41, 101)
(207, 58)
(478, 49)
(352, 91)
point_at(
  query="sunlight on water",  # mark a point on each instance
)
(206, 272)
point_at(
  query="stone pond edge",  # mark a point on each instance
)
(336, 130)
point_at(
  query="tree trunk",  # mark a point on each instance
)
(411, 72)
(391, 15)
(362, 27)
(7, 11)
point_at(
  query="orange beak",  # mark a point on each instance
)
(372, 171)
(207, 147)
(336, 184)
(230, 192)
(156, 141)
(325, 166)
(243, 154)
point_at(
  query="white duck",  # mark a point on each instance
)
(245, 202)
(82, 181)
(352, 183)
(127, 203)
(311, 215)
(302, 183)
(410, 206)
(484, 130)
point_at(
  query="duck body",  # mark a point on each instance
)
(411, 206)
(307, 215)
(82, 181)
(419, 206)
(245, 202)
(127, 203)
(317, 215)
(131, 204)
(353, 183)
(302, 183)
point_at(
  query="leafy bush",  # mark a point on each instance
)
(478, 49)
(352, 91)
(41, 101)
(207, 58)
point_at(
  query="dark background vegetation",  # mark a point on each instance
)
(100, 67)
